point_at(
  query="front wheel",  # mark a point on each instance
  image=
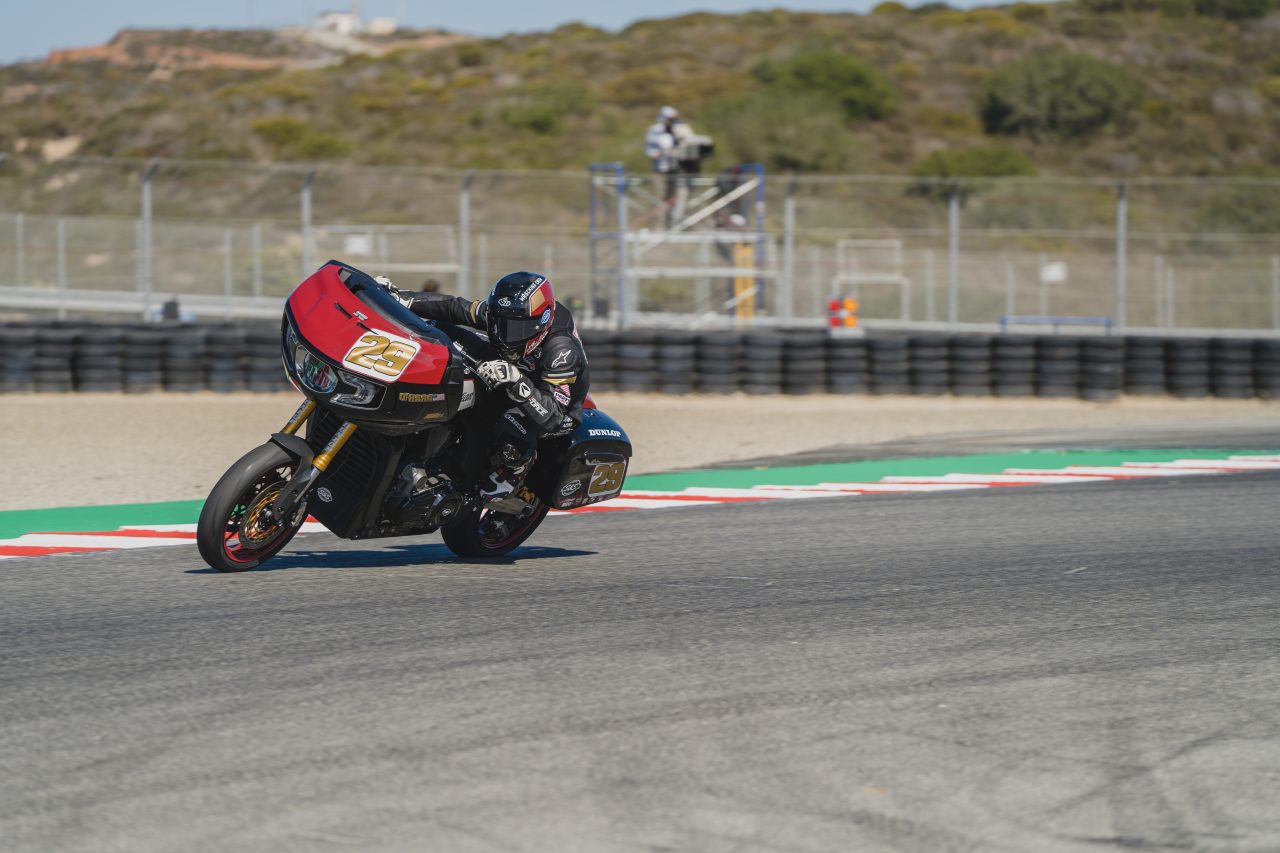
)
(485, 533)
(237, 530)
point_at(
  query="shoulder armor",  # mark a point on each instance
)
(561, 359)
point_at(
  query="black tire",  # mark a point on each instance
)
(467, 537)
(251, 482)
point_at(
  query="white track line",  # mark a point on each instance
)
(1124, 471)
(875, 488)
(758, 493)
(1209, 465)
(1005, 479)
(90, 540)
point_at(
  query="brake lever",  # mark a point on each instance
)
(472, 363)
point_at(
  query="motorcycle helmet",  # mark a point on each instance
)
(521, 308)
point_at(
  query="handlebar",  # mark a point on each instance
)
(471, 362)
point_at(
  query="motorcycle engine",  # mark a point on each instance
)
(427, 499)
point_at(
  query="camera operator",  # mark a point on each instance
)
(675, 150)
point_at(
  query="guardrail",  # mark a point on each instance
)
(62, 356)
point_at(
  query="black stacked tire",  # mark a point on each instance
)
(1144, 366)
(970, 358)
(1013, 366)
(762, 362)
(890, 366)
(143, 360)
(719, 362)
(636, 354)
(184, 359)
(847, 366)
(674, 362)
(1266, 369)
(602, 358)
(17, 360)
(264, 367)
(930, 360)
(1231, 368)
(51, 366)
(226, 356)
(1187, 367)
(804, 364)
(1057, 366)
(1101, 368)
(99, 360)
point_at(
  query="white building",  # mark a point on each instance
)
(381, 26)
(342, 23)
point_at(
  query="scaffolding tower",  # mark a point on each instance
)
(636, 235)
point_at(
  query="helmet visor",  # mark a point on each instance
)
(514, 330)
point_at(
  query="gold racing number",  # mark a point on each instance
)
(381, 354)
(607, 478)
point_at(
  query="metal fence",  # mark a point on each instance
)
(230, 239)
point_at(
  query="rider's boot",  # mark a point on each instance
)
(506, 480)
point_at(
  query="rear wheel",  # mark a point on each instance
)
(485, 533)
(237, 530)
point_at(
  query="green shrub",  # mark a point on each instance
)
(542, 109)
(293, 138)
(1029, 11)
(321, 146)
(932, 120)
(859, 89)
(1057, 94)
(280, 131)
(470, 55)
(1235, 10)
(642, 87)
(786, 131)
(1269, 88)
(978, 161)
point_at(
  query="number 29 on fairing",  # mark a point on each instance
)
(607, 478)
(380, 355)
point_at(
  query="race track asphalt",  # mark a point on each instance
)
(1065, 668)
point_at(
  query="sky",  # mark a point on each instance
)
(33, 27)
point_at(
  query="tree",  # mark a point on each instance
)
(1057, 94)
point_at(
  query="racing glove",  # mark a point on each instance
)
(404, 297)
(497, 373)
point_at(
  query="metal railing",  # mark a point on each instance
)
(230, 239)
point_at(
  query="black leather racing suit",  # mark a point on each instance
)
(557, 371)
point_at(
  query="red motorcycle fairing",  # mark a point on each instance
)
(336, 323)
(342, 318)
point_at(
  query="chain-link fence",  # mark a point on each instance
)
(89, 234)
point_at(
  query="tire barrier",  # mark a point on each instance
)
(63, 356)
(1266, 369)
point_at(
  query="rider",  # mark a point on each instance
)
(542, 366)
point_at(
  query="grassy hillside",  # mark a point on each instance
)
(1068, 88)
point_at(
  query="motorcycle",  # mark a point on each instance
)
(392, 401)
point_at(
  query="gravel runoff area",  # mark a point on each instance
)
(87, 449)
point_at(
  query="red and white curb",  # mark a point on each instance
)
(151, 536)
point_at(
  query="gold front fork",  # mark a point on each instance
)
(299, 417)
(324, 457)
